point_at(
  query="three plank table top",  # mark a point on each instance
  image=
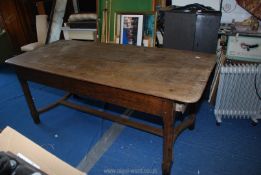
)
(172, 74)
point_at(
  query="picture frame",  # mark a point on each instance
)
(145, 33)
(149, 30)
(131, 29)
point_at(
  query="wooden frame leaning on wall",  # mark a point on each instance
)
(128, 27)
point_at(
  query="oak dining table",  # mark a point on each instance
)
(157, 81)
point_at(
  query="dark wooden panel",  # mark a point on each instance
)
(19, 21)
(132, 100)
(2, 24)
(26, 12)
(179, 30)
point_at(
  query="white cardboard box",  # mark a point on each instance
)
(80, 34)
(11, 140)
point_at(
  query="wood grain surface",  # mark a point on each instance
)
(167, 73)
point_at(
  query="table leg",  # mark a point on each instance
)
(192, 113)
(168, 136)
(29, 100)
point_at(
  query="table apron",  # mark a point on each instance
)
(129, 99)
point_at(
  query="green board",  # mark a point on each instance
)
(123, 6)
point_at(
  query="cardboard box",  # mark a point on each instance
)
(11, 140)
(81, 34)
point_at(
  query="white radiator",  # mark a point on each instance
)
(239, 92)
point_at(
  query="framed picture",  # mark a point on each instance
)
(136, 29)
(149, 30)
(131, 29)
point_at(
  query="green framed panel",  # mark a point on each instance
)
(148, 35)
(115, 6)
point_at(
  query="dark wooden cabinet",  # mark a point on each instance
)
(188, 30)
(17, 17)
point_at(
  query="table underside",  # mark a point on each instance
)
(164, 108)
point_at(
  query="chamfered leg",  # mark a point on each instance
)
(29, 100)
(168, 136)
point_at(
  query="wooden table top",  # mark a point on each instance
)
(167, 73)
